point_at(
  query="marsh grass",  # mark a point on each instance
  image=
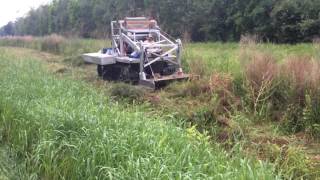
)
(240, 85)
(59, 128)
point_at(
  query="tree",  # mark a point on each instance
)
(283, 21)
(7, 30)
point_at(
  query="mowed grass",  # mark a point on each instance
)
(58, 128)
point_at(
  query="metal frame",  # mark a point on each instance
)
(165, 48)
(130, 36)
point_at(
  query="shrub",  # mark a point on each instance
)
(292, 120)
(260, 73)
(221, 82)
(17, 41)
(248, 39)
(302, 74)
(221, 85)
(293, 164)
(296, 71)
(311, 115)
(316, 40)
(52, 44)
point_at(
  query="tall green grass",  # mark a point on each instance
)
(219, 57)
(225, 57)
(61, 129)
(206, 59)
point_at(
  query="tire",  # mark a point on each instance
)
(111, 73)
(121, 72)
(100, 70)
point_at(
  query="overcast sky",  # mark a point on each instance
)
(12, 9)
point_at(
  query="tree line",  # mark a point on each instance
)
(280, 21)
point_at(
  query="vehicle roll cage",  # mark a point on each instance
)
(133, 31)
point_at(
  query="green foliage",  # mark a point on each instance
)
(296, 19)
(284, 21)
(293, 119)
(7, 30)
(293, 163)
(311, 115)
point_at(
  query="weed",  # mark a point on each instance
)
(260, 74)
(293, 163)
(311, 116)
(52, 44)
(292, 120)
(249, 40)
(296, 71)
(302, 76)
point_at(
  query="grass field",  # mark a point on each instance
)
(58, 128)
(252, 115)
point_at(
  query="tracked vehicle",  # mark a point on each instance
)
(141, 53)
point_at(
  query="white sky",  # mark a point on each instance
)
(10, 10)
